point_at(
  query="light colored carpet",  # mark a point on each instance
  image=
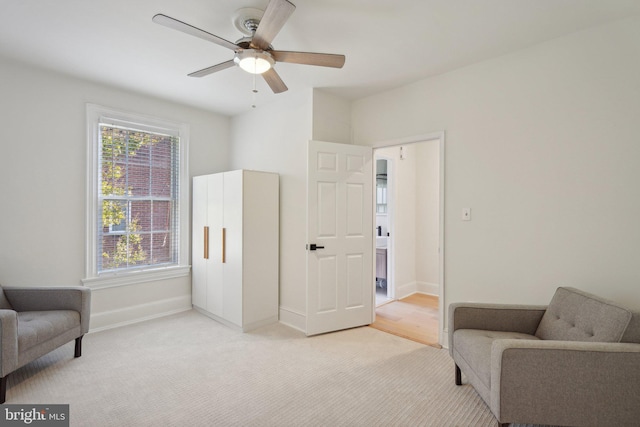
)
(188, 370)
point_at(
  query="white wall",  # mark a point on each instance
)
(274, 138)
(42, 184)
(427, 216)
(543, 146)
(331, 121)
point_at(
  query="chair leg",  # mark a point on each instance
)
(3, 380)
(78, 351)
(458, 376)
(3, 388)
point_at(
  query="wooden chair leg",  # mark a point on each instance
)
(3, 388)
(78, 351)
(458, 376)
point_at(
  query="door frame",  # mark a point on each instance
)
(440, 137)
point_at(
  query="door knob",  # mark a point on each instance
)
(313, 247)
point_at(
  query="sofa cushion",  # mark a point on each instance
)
(474, 346)
(36, 327)
(4, 302)
(574, 315)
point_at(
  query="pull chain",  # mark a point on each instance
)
(255, 91)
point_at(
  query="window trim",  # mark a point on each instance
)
(97, 114)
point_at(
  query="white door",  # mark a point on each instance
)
(215, 221)
(340, 237)
(231, 246)
(200, 250)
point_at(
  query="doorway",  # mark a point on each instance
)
(409, 221)
(383, 197)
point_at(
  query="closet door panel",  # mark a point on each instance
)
(233, 222)
(215, 279)
(198, 255)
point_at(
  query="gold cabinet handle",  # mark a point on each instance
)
(206, 242)
(224, 245)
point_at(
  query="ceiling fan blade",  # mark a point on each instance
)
(275, 16)
(309, 58)
(274, 81)
(170, 22)
(213, 69)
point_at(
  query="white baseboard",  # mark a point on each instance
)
(404, 290)
(139, 313)
(245, 328)
(293, 319)
(428, 288)
(259, 323)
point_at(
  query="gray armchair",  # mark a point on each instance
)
(575, 362)
(37, 320)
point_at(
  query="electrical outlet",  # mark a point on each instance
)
(466, 214)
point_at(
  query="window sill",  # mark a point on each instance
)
(126, 278)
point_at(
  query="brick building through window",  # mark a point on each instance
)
(139, 198)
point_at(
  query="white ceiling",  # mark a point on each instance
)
(387, 43)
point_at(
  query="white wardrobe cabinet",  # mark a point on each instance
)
(235, 252)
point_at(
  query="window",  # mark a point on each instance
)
(137, 214)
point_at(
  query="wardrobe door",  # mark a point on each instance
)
(199, 253)
(233, 246)
(215, 218)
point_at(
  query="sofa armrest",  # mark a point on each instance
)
(494, 317)
(565, 382)
(8, 342)
(42, 298)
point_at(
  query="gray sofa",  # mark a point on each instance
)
(575, 362)
(37, 320)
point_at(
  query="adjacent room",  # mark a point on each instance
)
(231, 231)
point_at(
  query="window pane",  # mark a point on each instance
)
(162, 163)
(108, 251)
(122, 251)
(161, 215)
(114, 216)
(112, 163)
(162, 248)
(141, 216)
(144, 243)
(139, 169)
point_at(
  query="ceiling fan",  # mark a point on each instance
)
(254, 53)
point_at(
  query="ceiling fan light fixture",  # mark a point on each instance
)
(254, 61)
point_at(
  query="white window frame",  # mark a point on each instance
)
(97, 114)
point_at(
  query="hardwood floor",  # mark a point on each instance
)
(414, 317)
